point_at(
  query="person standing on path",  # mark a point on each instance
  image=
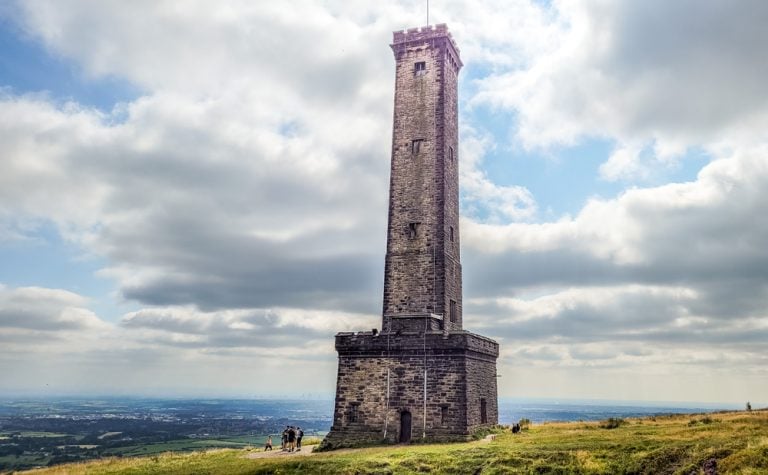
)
(299, 435)
(291, 439)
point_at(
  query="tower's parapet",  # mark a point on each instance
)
(403, 38)
(370, 344)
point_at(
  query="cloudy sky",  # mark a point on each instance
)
(193, 194)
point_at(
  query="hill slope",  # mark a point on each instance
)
(736, 442)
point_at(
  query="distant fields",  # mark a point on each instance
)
(184, 445)
(52, 431)
(679, 444)
(188, 445)
(27, 433)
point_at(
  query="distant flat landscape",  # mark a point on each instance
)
(43, 432)
(731, 442)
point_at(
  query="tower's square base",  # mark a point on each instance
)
(381, 395)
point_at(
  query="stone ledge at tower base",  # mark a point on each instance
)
(382, 395)
(437, 342)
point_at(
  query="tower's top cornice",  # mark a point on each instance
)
(404, 38)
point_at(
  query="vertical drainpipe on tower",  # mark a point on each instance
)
(386, 414)
(424, 425)
(424, 428)
(386, 411)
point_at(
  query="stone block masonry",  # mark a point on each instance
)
(382, 376)
(422, 377)
(422, 269)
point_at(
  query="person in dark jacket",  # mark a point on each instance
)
(291, 439)
(299, 435)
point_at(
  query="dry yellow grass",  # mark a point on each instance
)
(682, 444)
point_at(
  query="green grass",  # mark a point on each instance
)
(663, 445)
(180, 446)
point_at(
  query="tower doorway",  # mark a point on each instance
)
(405, 427)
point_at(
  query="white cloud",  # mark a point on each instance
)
(296, 332)
(658, 281)
(693, 223)
(481, 197)
(53, 344)
(629, 342)
(669, 76)
(623, 163)
(251, 174)
(185, 175)
(36, 181)
(40, 309)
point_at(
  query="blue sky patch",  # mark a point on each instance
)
(46, 260)
(27, 67)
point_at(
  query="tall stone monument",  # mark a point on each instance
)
(422, 376)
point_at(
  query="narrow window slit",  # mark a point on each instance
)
(416, 146)
(413, 230)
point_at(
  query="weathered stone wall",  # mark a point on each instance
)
(448, 137)
(422, 265)
(481, 384)
(382, 376)
(364, 384)
(414, 323)
(452, 361)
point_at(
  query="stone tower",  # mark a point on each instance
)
(422, 376)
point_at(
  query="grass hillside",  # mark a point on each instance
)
(735, 442)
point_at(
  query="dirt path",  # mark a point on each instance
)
(307, 450)
(261, 454)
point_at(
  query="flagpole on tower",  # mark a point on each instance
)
(427, 12)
